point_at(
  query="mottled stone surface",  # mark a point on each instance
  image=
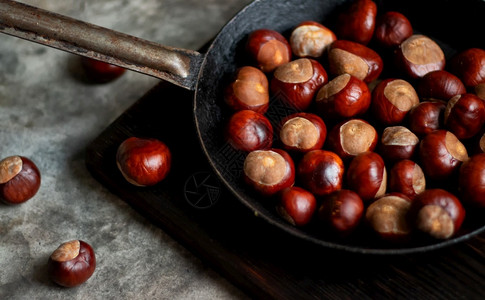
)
(47, 113)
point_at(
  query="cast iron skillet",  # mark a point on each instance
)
(208, 73)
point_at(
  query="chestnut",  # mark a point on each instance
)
(321, 172)
(391, 29)
(426, 117)
(440, 84)
(406, 177)
(269, 171)
(345, 96)
(248, 130)
(367, 176)
(392, 99)
(387, 216)
(99, 71)
(355, 59)
(438, 213)
(19, 179)
(296, 205)
(419, 55)
(397, 143)
(295, 83)
(303, 132)
(268, 49)
(143, 161)
(72, 263)
(341, 211)
(311, 39)
(480, 90)
(350, 138)
(465, 115)
(481, 143)
(248, 90)
(441, 154)
(471, 180)
(357, 22)
(469, 66)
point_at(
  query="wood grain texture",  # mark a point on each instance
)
(262, 261)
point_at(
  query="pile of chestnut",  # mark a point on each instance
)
(400, 154)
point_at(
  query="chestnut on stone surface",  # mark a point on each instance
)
(19, 179)
(99, 71)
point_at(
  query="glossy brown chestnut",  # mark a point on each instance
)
(311, 39)
(296, 82)
(321, 172)
(302, 132)
(269, 171)
(392, 99)
(297, 206)
(143, 161)
(469, 66)
(480, 90)
(441, 154)
(392, 28)
(357, 22)
(345, 96)
(440, 85)
(406, 177)
(72, 263)
(419, 55)
(397, 143)
(350, 138)
(426, 117)
(387, 216)
(355, 59)
(367, 176)
(341, 211)
(99, 71)
(248, 130)
(19, 179)
(465, 115)
(268, 49)
(248, 90)
(471, 181)
(438, 213)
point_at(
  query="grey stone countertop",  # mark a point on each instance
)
(50, 116)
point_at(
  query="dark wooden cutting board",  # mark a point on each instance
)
(194, 209)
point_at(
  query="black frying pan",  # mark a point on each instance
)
(454, 24)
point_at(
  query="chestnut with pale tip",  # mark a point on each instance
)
(406, 177)
(350, 138)
(72, 263)
(248, 90)
(321, 172)
(392, 99)
(296, 205)
(296, 83)
(19, 179)
(367, 176)
(418, 55)
(397, 143)
(268, 49)
(355, 59)
(345, 96)
(357, 22)
(143, 161)
(437, 213)
(302, 132)
(341, 211)
(465, 115)
(391, 29)
(471, 181)
(248, 130)
(387, 216)
(311, 39)
(440, 154)
(426, 117)
(269, 171)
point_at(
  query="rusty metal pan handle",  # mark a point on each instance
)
(179, 66)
